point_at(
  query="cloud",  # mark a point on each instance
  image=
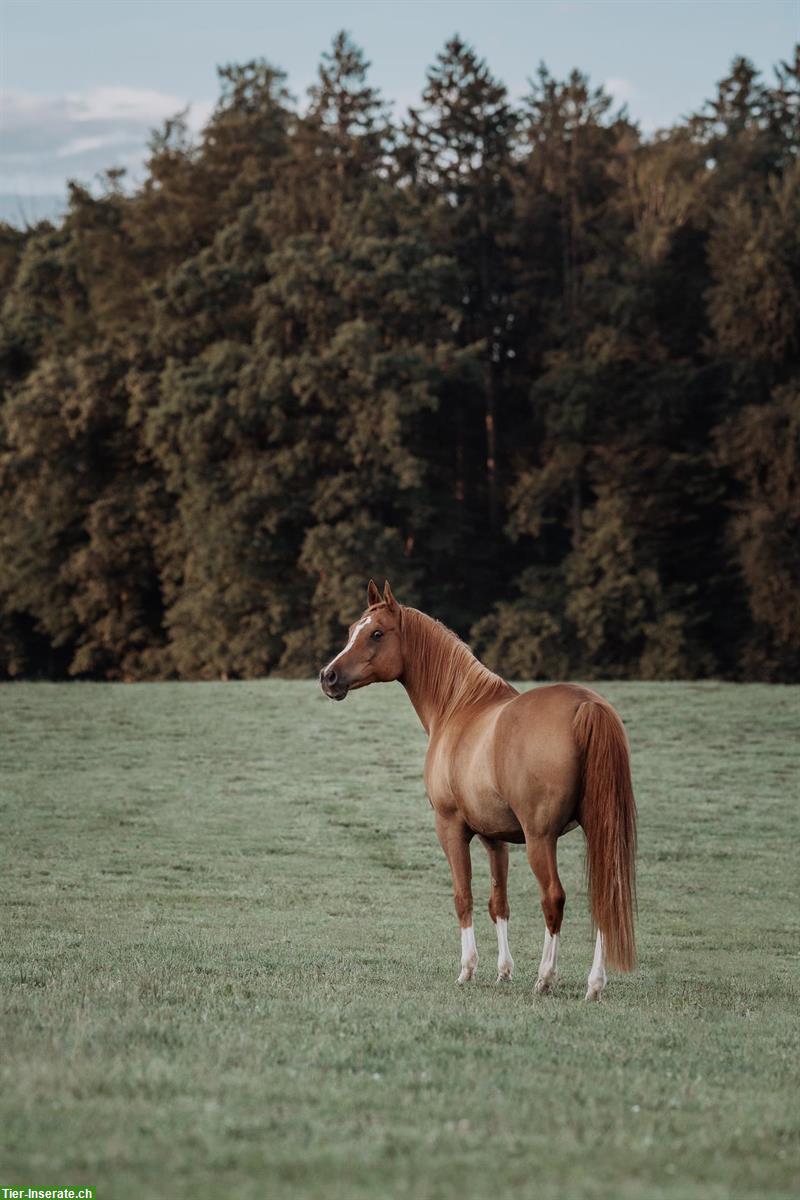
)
(621, 89)
(83, 145)
(48, 139)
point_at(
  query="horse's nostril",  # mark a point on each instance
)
(330, 675)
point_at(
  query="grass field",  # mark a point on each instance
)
(229, 958)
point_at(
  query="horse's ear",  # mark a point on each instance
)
(373, 593)
(388, 598)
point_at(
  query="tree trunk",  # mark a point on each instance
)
(491, 443)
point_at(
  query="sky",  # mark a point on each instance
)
(82, 82)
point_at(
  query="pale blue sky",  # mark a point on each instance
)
(85, 79)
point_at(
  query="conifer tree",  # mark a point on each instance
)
(459, 155)
(537, 368)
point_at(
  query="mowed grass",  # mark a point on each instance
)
(229, 958)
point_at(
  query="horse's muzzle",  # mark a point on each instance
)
(332, 684)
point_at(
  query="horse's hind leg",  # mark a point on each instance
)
(597, 975)
(455, 838)
(542, 857)
(498, 905)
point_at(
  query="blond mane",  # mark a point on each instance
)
(452, 675)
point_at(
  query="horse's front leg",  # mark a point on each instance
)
(455, 837)
(498, 905)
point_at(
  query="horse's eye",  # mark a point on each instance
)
(377, 634)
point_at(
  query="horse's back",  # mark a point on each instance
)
(551, 702)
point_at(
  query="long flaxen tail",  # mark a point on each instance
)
(608, 817)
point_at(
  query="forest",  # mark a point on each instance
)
(537, 368)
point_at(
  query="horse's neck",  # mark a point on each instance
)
(441, 674)
(420, 697)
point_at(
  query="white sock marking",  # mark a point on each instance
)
(597, 975)
(505, 963)
(469, 954)
(549, 963)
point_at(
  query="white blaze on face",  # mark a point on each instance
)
(356, 630)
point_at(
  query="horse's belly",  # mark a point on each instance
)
(489, 815)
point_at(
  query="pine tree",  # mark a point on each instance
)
(459, 155)
(535, 367)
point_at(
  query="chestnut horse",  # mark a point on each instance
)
(508, 767)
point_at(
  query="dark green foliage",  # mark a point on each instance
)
(539, 370)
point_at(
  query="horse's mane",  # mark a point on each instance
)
(453, 675)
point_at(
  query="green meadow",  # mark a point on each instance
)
(229, 957)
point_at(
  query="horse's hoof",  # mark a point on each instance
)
(594, 994)
(544, 986)
(504, 975)
(467, 974)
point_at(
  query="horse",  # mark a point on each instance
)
(508, 767)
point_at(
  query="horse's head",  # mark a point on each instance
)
(373, 652)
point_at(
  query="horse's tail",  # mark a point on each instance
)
(608, 817)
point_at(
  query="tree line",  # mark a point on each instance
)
(539, 370)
